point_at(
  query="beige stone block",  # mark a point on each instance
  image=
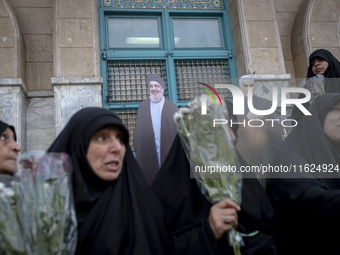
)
(261, 34)
(31, 3)
(287, 5)
(258, 10)
(241, 65)
(234, 18)
(6, 33)
(286, 47)
(324, 34)
(285, 21)
(237, 39)
(335, 52)
(75, 33)
(6, 63)
(230, 2)
(290, 68)
(337, 4)
(76, 62)
(22, 59)
(39, 76)
(297, 43)
(325, 10)
(3, 10)
(75, 8)
(39, 48)
(300, 66)
(265, 61)
(35, 20)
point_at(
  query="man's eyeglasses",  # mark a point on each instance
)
(154, 86)
(248, 85)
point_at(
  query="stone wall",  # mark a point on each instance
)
(50, 62)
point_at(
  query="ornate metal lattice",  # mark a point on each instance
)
(190, 72)
(128, 117)
(126, 80)
(177, 4)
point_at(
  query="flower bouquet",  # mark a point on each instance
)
(316, 86)
(210, 151)
(36, 212)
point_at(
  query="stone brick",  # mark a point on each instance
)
(285, 21)
(325, 10)
(75, 33)
(35, 20)
(234, 18)
(324, 34)
(258, 10)
(75, 8)
(3, 10)
(238, 47)
(39, 48)
(6, 33)
(286, 49)
(261, 34)
(7, 63)
(76, 62)
(287, 5)
(265, 61)
(31, 3)
(39, 76)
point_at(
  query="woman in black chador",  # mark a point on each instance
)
(308, 203)
(9, 152)
(322, 62)
(116, 210)
(9, 149)
(196, 227)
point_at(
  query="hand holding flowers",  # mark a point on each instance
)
(37, 215)
(208, 148)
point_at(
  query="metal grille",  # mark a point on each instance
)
(128, 117)
(189, 72)
(126, 81)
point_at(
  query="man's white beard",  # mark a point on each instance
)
(156, 98)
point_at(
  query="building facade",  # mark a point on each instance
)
(58, 56)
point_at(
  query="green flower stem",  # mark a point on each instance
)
(207, 146)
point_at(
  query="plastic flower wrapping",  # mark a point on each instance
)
(316, 86)
(211, 153)
(36, 211)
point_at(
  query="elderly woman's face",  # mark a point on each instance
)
(106, 153)
(9, 151)
(331, 126)
(319, 65)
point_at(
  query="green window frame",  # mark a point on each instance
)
(124, 69)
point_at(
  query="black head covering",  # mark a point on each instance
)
(308, 206)
(331, 77)
(4, 126)
(332, 72)
(155, 77)
(186, 210)
(118, 217)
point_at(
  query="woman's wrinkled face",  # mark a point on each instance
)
(9, 151)
(331, 126)
(106, 153)
(319, 65)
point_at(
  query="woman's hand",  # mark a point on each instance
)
(223, 217)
